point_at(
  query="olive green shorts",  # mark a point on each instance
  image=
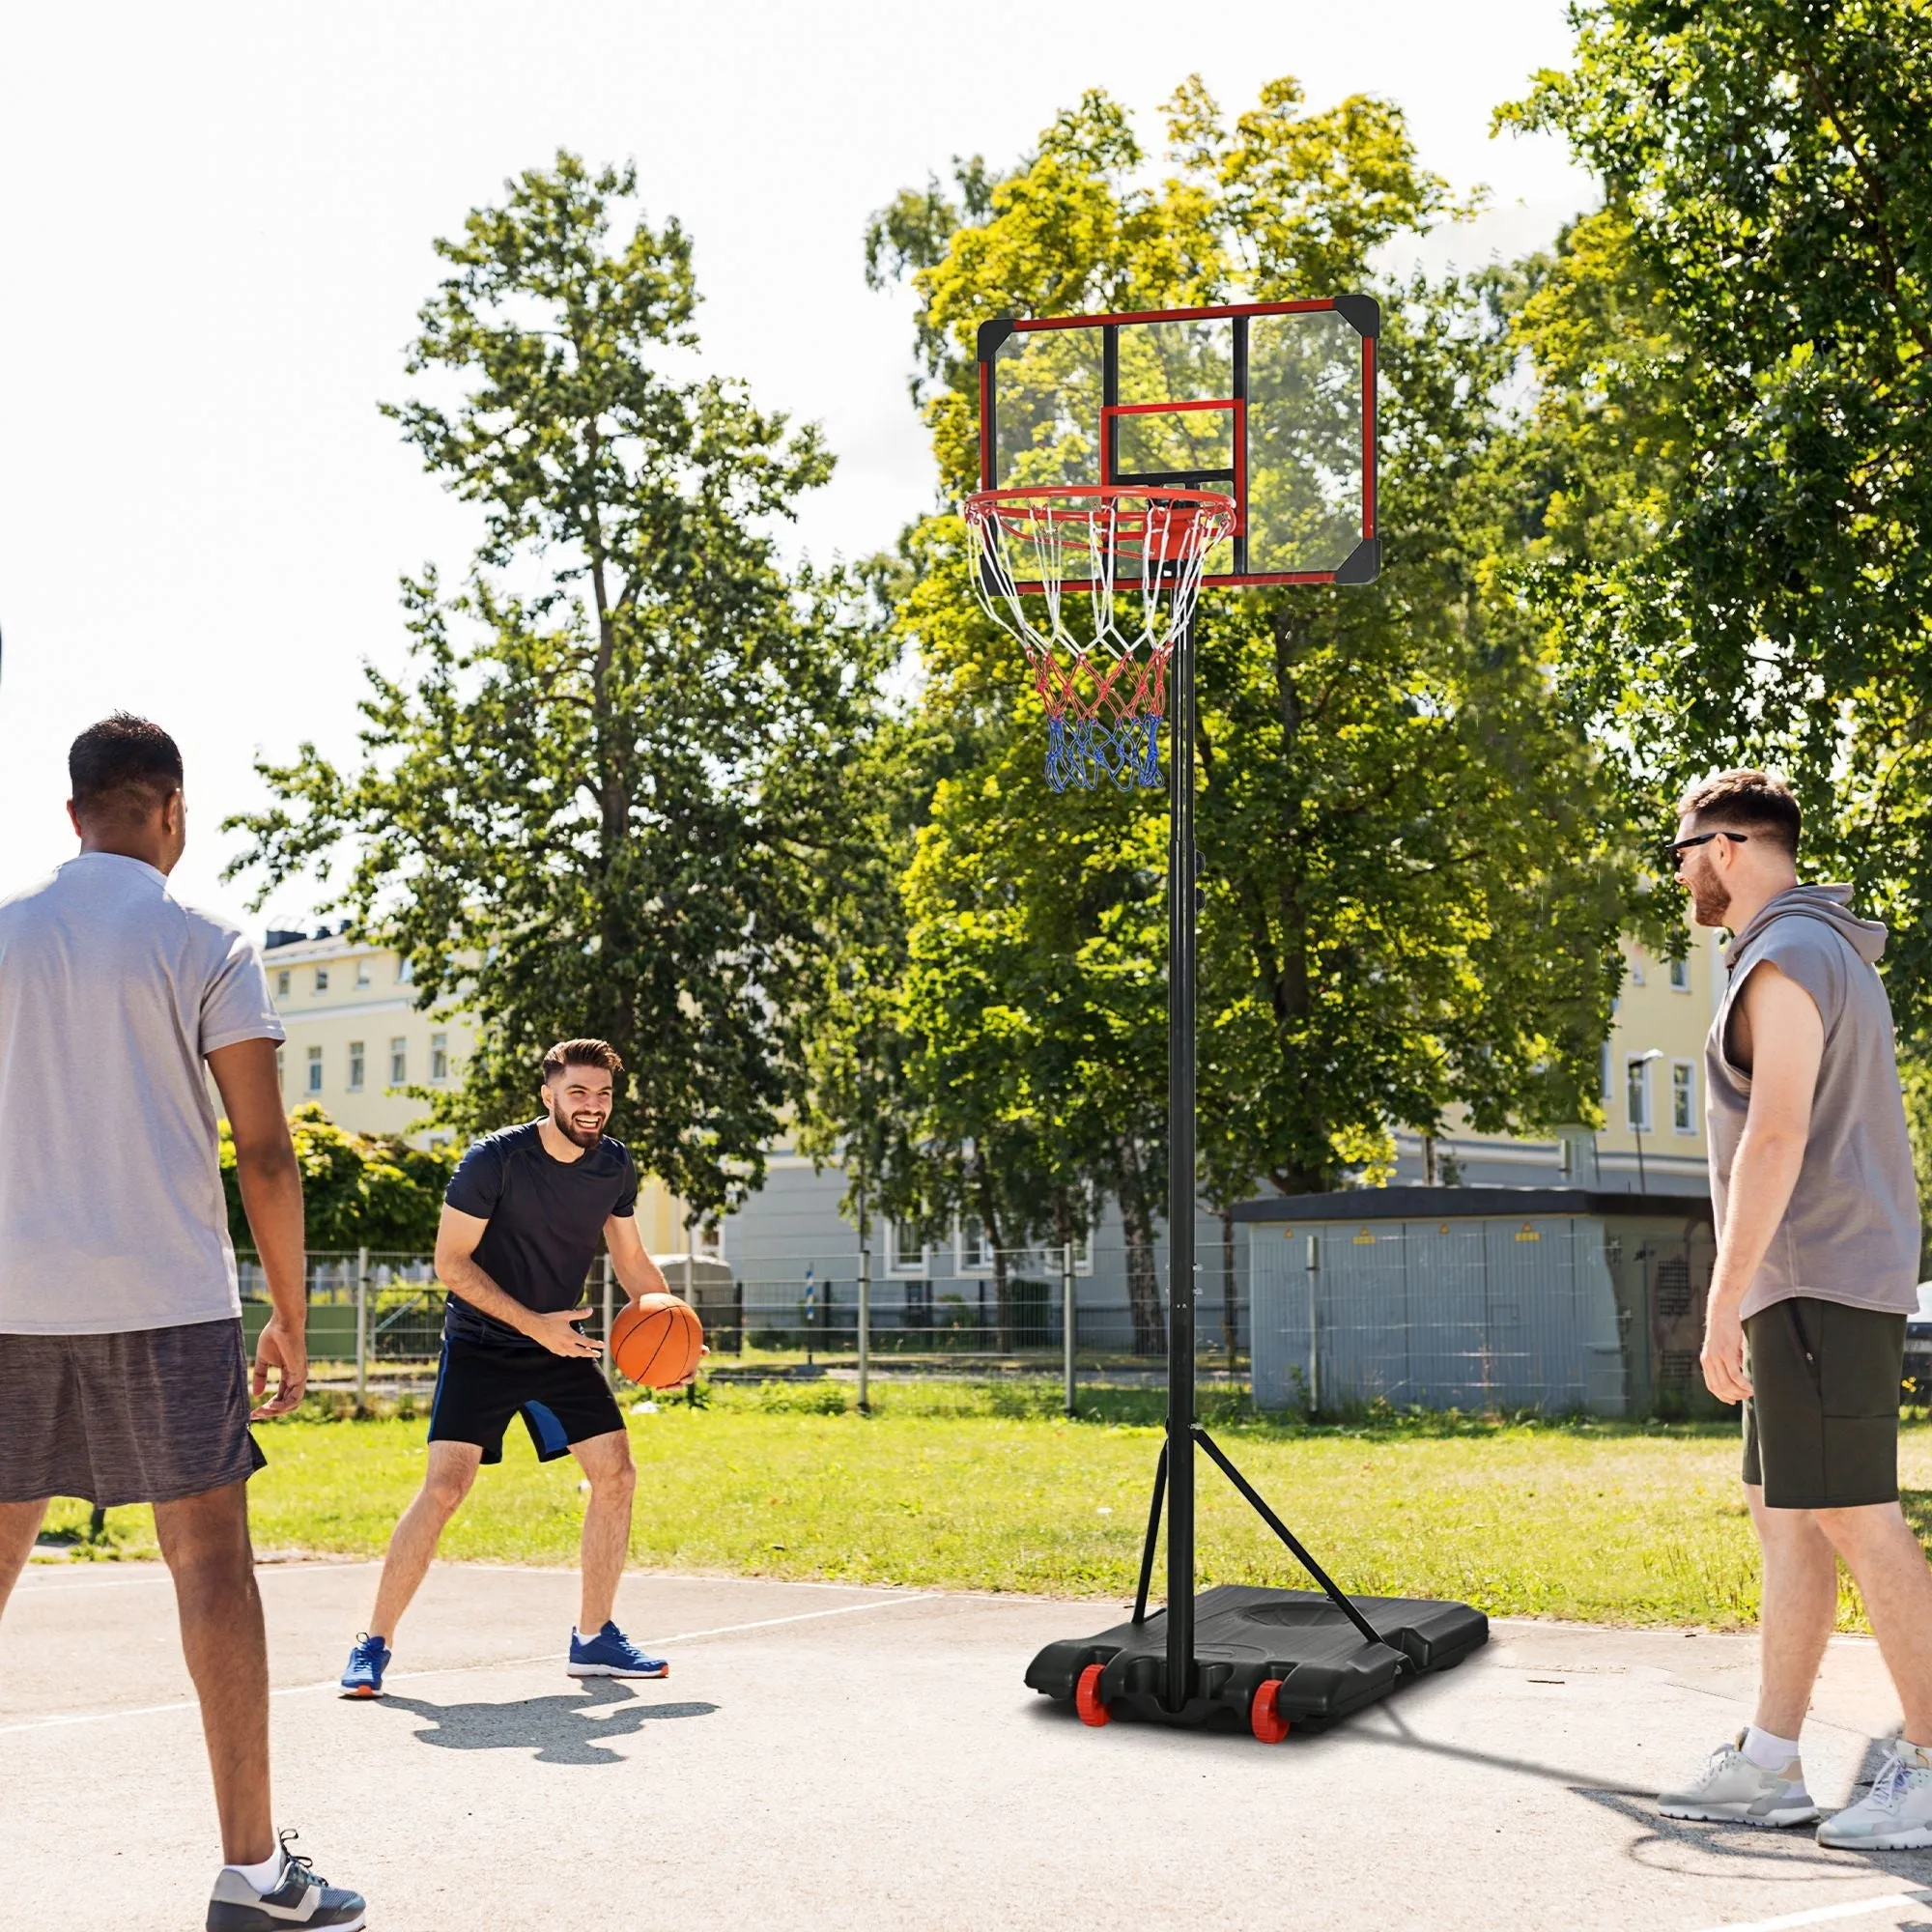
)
(1821, 1425)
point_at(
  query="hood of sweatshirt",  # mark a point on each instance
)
(1832, 904)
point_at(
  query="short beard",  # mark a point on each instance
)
(1710, 903)
(571, 1133)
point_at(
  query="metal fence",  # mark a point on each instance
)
(376, 1319)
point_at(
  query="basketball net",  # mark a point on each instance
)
(1097, 583)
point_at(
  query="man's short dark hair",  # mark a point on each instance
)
(122, 767)
(581, 1053)
(1752, 802)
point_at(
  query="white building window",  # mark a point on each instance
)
(1608, 1093)
(1635, 972)
(1684, 1097)
(315, 1070)
(358, 1060)
(969, 1248)
(282, 979)
(439, 1057)
(399, 1062)
(905, 1253)
(406, 973)
(1680, 976)
(1636, 1095)
(322, 978)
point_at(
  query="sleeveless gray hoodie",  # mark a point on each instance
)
(1850, 1233)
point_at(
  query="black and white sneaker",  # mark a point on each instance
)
(301, 1896)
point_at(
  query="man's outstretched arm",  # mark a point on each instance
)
(1787, 1042)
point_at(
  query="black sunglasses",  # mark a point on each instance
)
(1674, 851)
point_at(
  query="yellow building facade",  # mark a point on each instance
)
(1650, 1076)
(358, 1041)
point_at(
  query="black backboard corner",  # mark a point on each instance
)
(1364, 564)
(993, 333)
(1362, 313)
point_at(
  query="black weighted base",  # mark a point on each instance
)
(1246, 1637)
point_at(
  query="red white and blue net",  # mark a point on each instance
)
(1097, 583)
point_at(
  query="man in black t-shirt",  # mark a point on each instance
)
(521, 1224)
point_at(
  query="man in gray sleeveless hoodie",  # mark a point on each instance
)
(1817, 1266)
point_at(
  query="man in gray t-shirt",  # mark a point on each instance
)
(123, 1377)
(1817, 1266)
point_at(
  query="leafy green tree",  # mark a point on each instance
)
(1735, 356)
(358, 1190)
(607, 798)
(1414, 880)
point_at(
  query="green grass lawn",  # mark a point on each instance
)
(990, 1488)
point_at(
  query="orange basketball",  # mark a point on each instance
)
(656, 1341)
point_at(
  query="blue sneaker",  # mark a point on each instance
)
(611, 1654)
(367, 1662)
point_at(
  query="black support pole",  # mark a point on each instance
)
(1181, 996)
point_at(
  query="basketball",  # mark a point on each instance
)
(656, 1341)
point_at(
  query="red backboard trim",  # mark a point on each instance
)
(1225, 311)
(1367, 438)
(985, 441)
(1234, 404)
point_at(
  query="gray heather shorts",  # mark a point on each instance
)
(146, 1417)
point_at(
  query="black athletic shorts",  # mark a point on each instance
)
(1821, 1425)
(562, 1398)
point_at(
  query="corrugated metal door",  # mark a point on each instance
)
(1448, 1297)
(1362, 1305)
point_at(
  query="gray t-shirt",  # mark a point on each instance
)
(112, 995)
(1851, 1230)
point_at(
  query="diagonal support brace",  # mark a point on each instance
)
(1153, 1537)
(1258, 1503)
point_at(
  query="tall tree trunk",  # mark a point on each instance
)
(989, 1232)
(1228, 1311)
(1143, 1283)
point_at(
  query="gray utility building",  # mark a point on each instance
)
(1560, 1299)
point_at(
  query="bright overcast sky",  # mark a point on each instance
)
(214, 233)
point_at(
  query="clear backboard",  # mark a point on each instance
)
(1272, 404)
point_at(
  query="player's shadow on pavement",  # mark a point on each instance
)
(1685, 1845)
(559, 1730)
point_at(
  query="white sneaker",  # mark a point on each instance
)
(1735, 1791)
(1897, 1815)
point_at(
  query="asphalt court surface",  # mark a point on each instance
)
(826, 1757)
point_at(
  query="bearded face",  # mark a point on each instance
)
(1710, 896)
(578, 1101)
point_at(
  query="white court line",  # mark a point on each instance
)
(160, 1574)
(454, 1669)
(24, 1589)
(1855, 1908)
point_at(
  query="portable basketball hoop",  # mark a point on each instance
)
(1117, 572)
(1125, 462)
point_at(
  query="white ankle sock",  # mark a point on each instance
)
(1767, 1752)
(266, 1875)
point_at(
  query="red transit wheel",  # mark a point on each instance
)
(1264, 1717)
(1087, 1697)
